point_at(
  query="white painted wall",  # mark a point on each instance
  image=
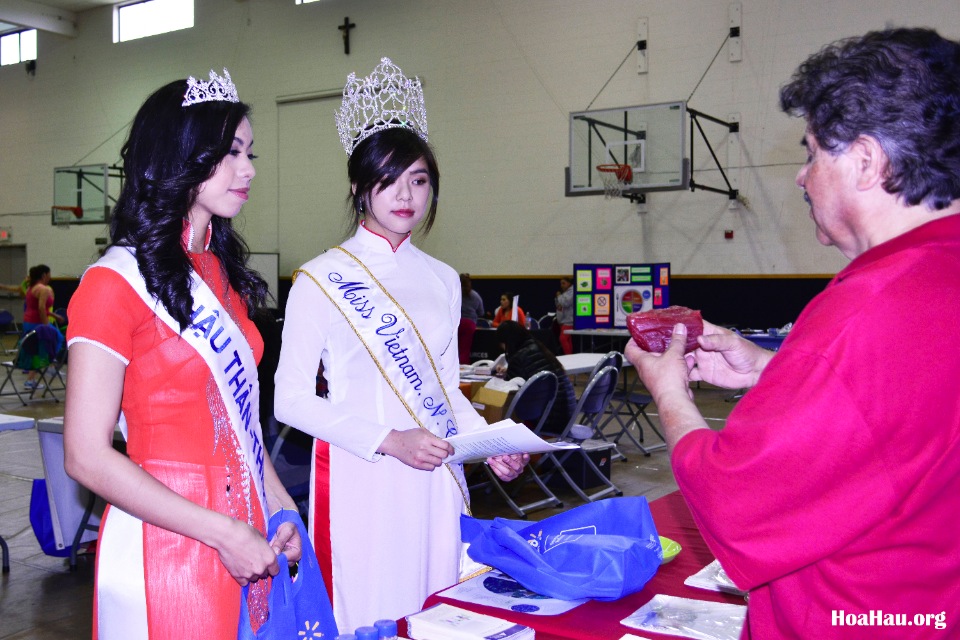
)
(501, 77)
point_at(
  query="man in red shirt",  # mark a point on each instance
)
(832, 492)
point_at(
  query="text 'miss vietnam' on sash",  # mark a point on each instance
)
(501, 438)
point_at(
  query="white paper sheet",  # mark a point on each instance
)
(501, 438)
(713, 578)
(496, 589)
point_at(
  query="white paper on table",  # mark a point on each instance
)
(688, 618)
(496, 589)
(713, 578)
(500, 438)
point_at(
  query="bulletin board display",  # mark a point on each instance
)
(604, 294)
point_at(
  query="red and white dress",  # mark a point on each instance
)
(171, 586)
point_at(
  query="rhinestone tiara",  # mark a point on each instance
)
(218, 89)
(383, 100)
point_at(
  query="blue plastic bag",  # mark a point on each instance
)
(602, 550)
(298, 609)
(42, 522)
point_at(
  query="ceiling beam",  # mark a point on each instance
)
(34, 15)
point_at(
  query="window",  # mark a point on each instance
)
(151, 17)
(18, 47)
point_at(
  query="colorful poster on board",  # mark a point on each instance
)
(604, 279)
(641, 273)
(606, 293)
(601, 304)
(584, 280)
(631, 298)
(584, 305)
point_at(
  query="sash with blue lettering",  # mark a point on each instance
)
(220, 342)
(391, 339)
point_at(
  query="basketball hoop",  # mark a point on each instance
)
(62, 216)
(615, 177)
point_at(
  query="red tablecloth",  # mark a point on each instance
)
(596, 620)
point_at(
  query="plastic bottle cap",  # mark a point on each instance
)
(387, 628)
(367, 633)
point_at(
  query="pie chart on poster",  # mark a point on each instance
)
(631, 301)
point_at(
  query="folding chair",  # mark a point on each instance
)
(56, 372)
(611, 359)
(633, 403)
(583, 424)
(9, 327)
(532, 403)
(28, 358)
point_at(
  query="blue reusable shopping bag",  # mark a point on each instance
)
(42, 522)
(602, 550)
(298, 608)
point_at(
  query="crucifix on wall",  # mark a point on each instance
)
(345, 27)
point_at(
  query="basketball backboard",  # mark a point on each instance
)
(88, 190)
(647, 138)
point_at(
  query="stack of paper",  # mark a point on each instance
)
(446, 622)
(498, 439)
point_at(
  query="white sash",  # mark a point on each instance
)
(219, 341)
(391, 339)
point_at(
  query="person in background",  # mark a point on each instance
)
(38, 308)
(38, 312)
(381, 316)
(505, 311)
(161, 336)
(526, 356)
(471, 306)
(564, 318)
(832, 493)
(471, 309)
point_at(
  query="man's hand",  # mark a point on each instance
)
(666, 375)
(663, 372)
(726, 359)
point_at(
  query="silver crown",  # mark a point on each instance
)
(218, 89)
(383, 100)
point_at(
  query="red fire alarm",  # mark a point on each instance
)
(728, 234)
(5, 235)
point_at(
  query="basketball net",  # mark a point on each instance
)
(615, 177)
(63, 215)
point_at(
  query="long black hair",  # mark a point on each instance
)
(379, 160)
(170, 152)
(513, 335)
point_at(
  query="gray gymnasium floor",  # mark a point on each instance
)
(41, 599)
